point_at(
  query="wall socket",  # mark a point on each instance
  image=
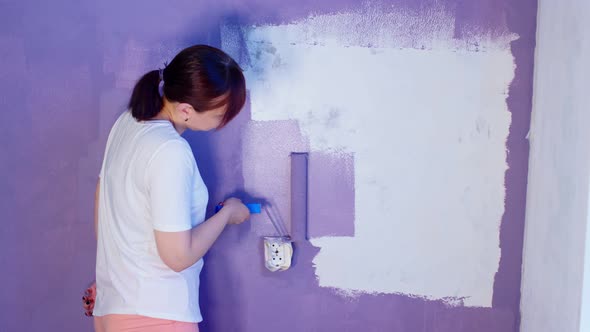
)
(278, 252)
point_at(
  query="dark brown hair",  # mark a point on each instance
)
(201, 76)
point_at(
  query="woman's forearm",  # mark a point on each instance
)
(180, 250)
(204, 235)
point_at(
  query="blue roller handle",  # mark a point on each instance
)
(253, 207)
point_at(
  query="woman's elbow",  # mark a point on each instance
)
(176, 268)
(174, 263)
(173, 250)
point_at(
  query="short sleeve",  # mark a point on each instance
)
(170, 178)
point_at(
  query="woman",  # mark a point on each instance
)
(151, 200)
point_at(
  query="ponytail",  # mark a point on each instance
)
(146, 102)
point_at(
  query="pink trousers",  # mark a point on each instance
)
(136, 323)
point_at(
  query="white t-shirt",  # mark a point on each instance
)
(149, 181)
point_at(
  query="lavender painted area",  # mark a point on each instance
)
(66, 76)
(331, 195)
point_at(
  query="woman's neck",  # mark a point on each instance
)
(167, 113)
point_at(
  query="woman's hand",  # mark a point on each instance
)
(238, 211)
(88, 299)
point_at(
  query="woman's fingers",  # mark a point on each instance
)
(88, 304)
(88, 300)
(90, 291)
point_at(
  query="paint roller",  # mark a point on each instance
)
(252, 207)
(278, 250)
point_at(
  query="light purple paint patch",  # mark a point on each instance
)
(330, 195)
(473, 18)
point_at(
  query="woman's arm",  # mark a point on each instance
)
(180, 250)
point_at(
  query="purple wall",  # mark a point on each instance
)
(67, 68)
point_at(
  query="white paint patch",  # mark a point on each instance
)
(426, 118)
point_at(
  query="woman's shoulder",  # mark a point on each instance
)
(153, 137)
(160, 132)
(171, 154)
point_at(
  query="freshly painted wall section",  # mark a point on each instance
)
(427, 122)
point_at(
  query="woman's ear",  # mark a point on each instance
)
(184, 110)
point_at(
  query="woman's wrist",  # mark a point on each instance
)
(225, 214)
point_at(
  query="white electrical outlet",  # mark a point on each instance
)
(278, 253)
